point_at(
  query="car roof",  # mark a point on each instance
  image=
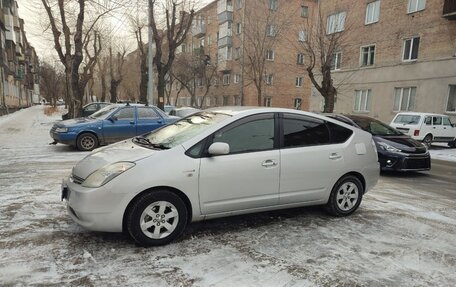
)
(420, 114)
(238, 110)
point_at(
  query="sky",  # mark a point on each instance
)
(34, 17)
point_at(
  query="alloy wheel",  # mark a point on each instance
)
(159, 219)
(347, 196)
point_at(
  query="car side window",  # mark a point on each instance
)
(146, 113)
(254, 135)
(446, 121)
(91, 108)
(301, 131)
(127, 113)
(428, 121)
(436, 121)
(339, 134)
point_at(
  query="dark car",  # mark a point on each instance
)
(89, 109)
(110, 124)
(396, 151)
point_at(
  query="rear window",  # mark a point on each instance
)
(407, 119)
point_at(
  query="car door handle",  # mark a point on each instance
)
(269, 163)
(159, 121)
(334, 155)
(132, 123)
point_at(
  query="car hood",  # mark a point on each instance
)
(121, 151)
(404, 143)
(76, 122)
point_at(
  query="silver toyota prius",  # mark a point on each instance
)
(221, 162)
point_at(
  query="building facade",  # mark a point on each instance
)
(400, 55)
(19, 79)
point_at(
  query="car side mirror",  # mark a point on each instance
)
(219, 148)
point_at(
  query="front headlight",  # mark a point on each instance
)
(105, 174)
(388, 147)
(61, 130)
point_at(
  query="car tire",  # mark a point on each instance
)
(452, 144)
(345, 196)
(156, 218)
(427, 141)
(86, 142)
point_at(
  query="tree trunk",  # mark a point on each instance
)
(103, 88)
(143, 83)
(113, 90)
(161, 85)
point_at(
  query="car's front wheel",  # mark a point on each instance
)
(156, 218)
(346, 196)
(87, 142)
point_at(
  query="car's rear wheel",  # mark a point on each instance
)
(346, 196)
(427, 140)
(87, 142)
(156, 218)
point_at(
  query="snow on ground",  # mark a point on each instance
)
(400, 236)
(443, 152)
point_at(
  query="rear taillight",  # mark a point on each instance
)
(416, 133)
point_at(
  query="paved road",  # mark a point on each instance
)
(441, 179)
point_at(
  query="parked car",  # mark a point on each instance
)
(426, 127)
(110, 124)
(89, 109)
(183, 112)
(221, 162)
(396, 151)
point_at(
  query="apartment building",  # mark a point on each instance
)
(19, 80)
(400, 55)
(247, 39)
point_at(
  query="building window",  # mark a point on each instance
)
(267, 102)
(237, 78)
(372, 12)
(199, 82)
(411, 47)
(208, 102)
(226, 79)
(336, 23)
(299, 81)
(225, 101)
(238, 4)
(300, 59)
(368, 55)
(268, 78)
(273, 4)
(271, 30)
(451, 104)
(297, 103)
(302, 36)
(209, 40)
(336, 59)
(270, 55)
(237, 53)
(362, 100)
(404, 99)
(238, 28)
(304, 11)
(416, 5)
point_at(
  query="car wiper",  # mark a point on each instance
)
(146, 141)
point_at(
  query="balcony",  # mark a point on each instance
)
(449, 9)
(225, 41)
(198, 30)
(225, 16)
(224, 65)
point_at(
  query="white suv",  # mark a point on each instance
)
(426, 127)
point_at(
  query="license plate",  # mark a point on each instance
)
(65, 191)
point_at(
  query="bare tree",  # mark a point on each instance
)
(116, 72)
(51, 82)
(78, 41)
(320, 48)
(263, 29)
(168, 37)
(102, 65)
(142, 55)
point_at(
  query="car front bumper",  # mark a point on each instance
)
(404, 162)
(96, 209)
(68, 138)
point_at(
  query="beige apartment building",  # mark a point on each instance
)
(231, 31)
(400, 55)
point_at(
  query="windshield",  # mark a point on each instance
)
(376, 128)
(183, 130)
(103, 112)
(407, 119)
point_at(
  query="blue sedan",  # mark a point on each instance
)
(110, 124)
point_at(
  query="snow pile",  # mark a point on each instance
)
(443, 152)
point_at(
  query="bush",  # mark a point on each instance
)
(50, 110)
